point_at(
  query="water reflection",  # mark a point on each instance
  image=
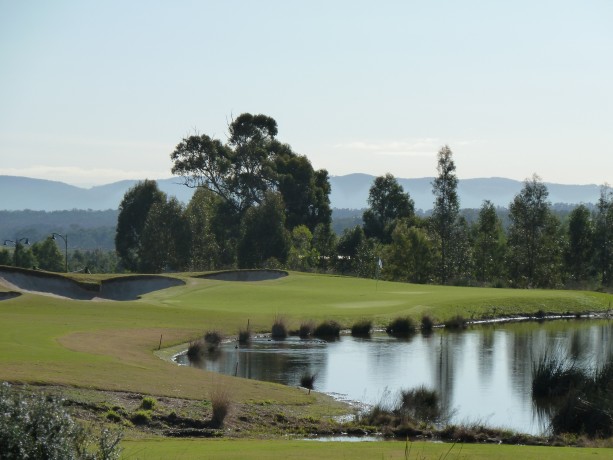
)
(483, 374)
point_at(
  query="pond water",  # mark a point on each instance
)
(483, 374)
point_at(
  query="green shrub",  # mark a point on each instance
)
(361, 328)
(39, 427)
(112, 416)
(141, 417)
(327, 329)
(401, 327)
(148, 403)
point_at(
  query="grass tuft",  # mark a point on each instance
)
(221, 404)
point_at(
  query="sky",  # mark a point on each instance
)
(95, 92)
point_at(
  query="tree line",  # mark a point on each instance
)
(535, 249)
(258, 204)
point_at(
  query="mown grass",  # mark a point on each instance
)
(283, 449)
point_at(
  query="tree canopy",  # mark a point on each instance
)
(388, 203)
(252, 163)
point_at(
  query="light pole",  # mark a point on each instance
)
(65, 238)
(16, 242)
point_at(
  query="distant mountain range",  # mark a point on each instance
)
(350, 191)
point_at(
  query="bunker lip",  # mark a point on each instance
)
(122, 288)
(245, 275)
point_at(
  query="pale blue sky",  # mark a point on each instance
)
(92, 92)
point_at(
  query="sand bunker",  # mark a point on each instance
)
(9, 295)
(246, 275)
(123, 288)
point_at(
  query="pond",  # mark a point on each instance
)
(483, 374)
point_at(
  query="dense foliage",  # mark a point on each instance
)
(35, 426)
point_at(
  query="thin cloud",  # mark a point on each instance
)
(410, 148)
(419, 147)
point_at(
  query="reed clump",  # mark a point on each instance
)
(401, 327)
(456, 323)
(212, 340)
(196, 349)
(279, 329)
(427, 324)
(244, 336)
(307, 380)
(553, 376)
(327, 329)
(421, 404)
(306, 329)
(361, 328)
(578, 401)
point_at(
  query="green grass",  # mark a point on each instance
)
(265, 450)
(110, 345)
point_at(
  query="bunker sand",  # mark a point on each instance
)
(121, 289)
